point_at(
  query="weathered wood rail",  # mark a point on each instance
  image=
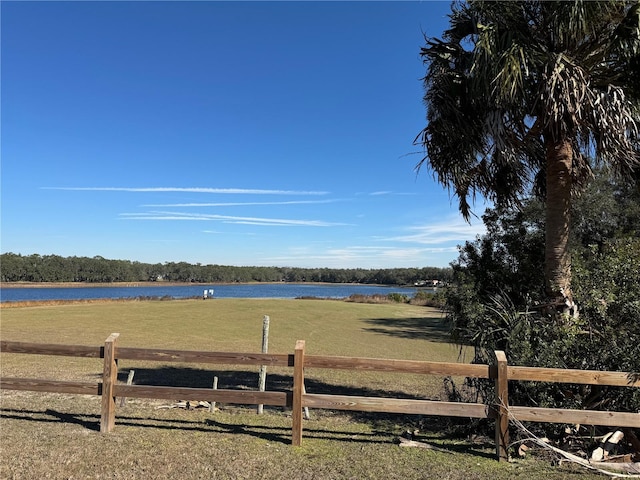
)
(297, 399)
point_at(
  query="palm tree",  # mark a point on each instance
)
(526, 98)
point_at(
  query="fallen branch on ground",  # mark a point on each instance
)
(632, 470)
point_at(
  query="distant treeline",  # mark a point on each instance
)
(54, 268)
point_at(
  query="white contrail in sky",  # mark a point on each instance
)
(227, 219)
(239, 204)
(240, 191)
(439, 233)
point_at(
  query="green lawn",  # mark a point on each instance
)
(55, 436)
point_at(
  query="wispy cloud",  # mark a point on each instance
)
(439, 233)
(386, 252)
(273, 222)
(239, 204)
(389, 192)
(237, 191)
(354, 256)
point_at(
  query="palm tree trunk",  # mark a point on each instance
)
(559, 161)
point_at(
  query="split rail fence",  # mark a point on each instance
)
(297, 398)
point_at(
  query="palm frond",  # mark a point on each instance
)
(507, 75)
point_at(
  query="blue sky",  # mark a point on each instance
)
(233, 133)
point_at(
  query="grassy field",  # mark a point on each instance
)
(56, 436)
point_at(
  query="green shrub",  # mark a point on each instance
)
(398, 297)
(429, 299)
(495, 297)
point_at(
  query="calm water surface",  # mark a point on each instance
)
(284, 290)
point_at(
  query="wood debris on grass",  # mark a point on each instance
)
(408, 440)
(626, 465)
(405, 442)
(187, 405)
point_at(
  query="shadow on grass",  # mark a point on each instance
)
(248, 380)
(384, 427)
(434, 329)
(212, 425)
(90, 422)
(166, 376)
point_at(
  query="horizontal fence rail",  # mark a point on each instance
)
(55, 386)
(205, 357)
(584, 377)
(241, 397)
(51, 349)
(297, 398)
(397, 405)
(584, 417)
(398, 366)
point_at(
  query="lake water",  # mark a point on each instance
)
(283, 290)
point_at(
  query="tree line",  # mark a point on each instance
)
(54, 268)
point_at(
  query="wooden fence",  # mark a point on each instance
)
(297, 398)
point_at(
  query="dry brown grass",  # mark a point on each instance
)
(87, 301)
(55, 436)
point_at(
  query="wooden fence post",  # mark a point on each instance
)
(262, 379)
(123, 400)
(109, 378)
(298, 388)
(212, 403)
(502, 407)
